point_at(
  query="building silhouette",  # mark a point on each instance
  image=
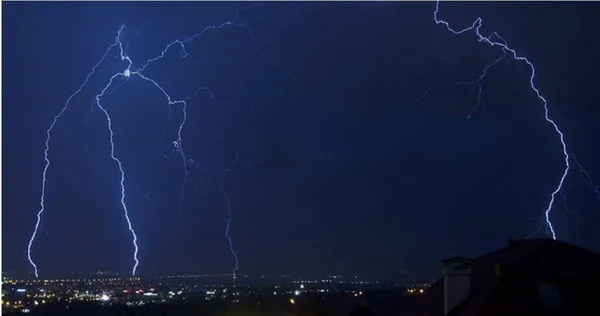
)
(529, 277)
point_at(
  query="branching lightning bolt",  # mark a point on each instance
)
(126, 74)
(494, 40)
(229, 218)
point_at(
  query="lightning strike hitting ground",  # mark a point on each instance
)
(494, 40)
(47, 159)
(127, 74)
(120, 165)
(229, 217)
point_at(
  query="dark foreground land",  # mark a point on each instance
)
(380, 303)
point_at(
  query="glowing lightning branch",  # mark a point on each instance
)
(177, 143)
(229, 218)
(567, 212)
(478, 81)
(496, 41)
(47, 149)
(587, 178)
(181, 43)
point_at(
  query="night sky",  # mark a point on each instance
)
(337, 170)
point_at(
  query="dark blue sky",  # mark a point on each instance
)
(336, 173)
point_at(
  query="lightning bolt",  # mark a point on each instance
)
(229, 217)
(121, 170)
(57, 117)
(494, 40)
(178, 143)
